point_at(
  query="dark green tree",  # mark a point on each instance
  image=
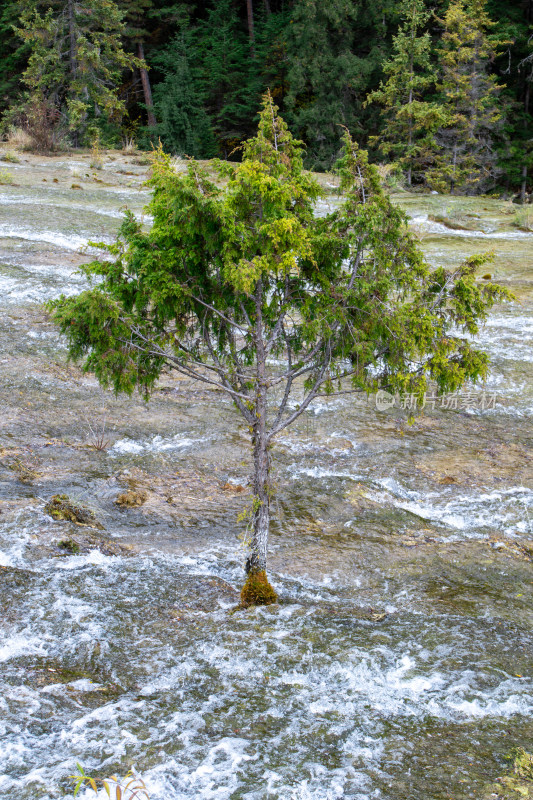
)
(466, 159)
(13, 56)
(76, 58)
(184, 127)
(229, 283)
(228, 74)
(410, 121)
(335, 51)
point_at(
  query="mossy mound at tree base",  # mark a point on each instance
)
(257, 591)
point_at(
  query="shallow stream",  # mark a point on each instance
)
(398, 664)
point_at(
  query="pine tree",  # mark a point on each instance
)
(335, 51)
(184, 126)
(13, 56)
(409, 121)
(515, 65)
(228, 73)
(466, 159)
(76, 60)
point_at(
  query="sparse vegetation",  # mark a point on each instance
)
(130, 788)
(523, 219)
(10, 158)
(6, 178)
(62, 507)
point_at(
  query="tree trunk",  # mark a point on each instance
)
(261, 511)
(523, 188)
(72, 60)
(257, 561)
(72, 39)
(147, 89)
(251, 34)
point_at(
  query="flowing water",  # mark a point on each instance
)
(398, 663)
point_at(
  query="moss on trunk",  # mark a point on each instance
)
(257, 590)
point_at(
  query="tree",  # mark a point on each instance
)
(228, 74)
(410, 121)
(76, 59)
(229, 282)
(467, 159)
(135, 14)
(334, 52)
(13, 56)
(184, 126)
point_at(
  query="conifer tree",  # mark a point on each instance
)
(334, 52)
(410, 121)
(13, 56)
(466, 160)
(245, 289)
(228, 74)
(184, 126)
(76, 59)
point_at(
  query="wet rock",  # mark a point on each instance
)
(179, 496)
(69, 545)
(233, 487)
(21, 462)
(85, 541)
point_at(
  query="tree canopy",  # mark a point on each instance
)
(245, 289)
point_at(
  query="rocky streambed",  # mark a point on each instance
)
(398, 663)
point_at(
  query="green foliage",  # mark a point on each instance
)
(320, 61)
(334, 52)
(185, 293)
(410, 121)
(228, 281)
(6, 178)
(13, 55)
(466, 161)
(130, 788)
(185, 128)
(75, 60)
(227, 74)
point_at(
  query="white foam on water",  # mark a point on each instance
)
(5, 560)
(472, 513)
(437, 228)
(159, 444)
(93, 558)
(72, 242)
(19, 645)
(20, 291)
(322, 472)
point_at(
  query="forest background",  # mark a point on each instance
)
(439, 90)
